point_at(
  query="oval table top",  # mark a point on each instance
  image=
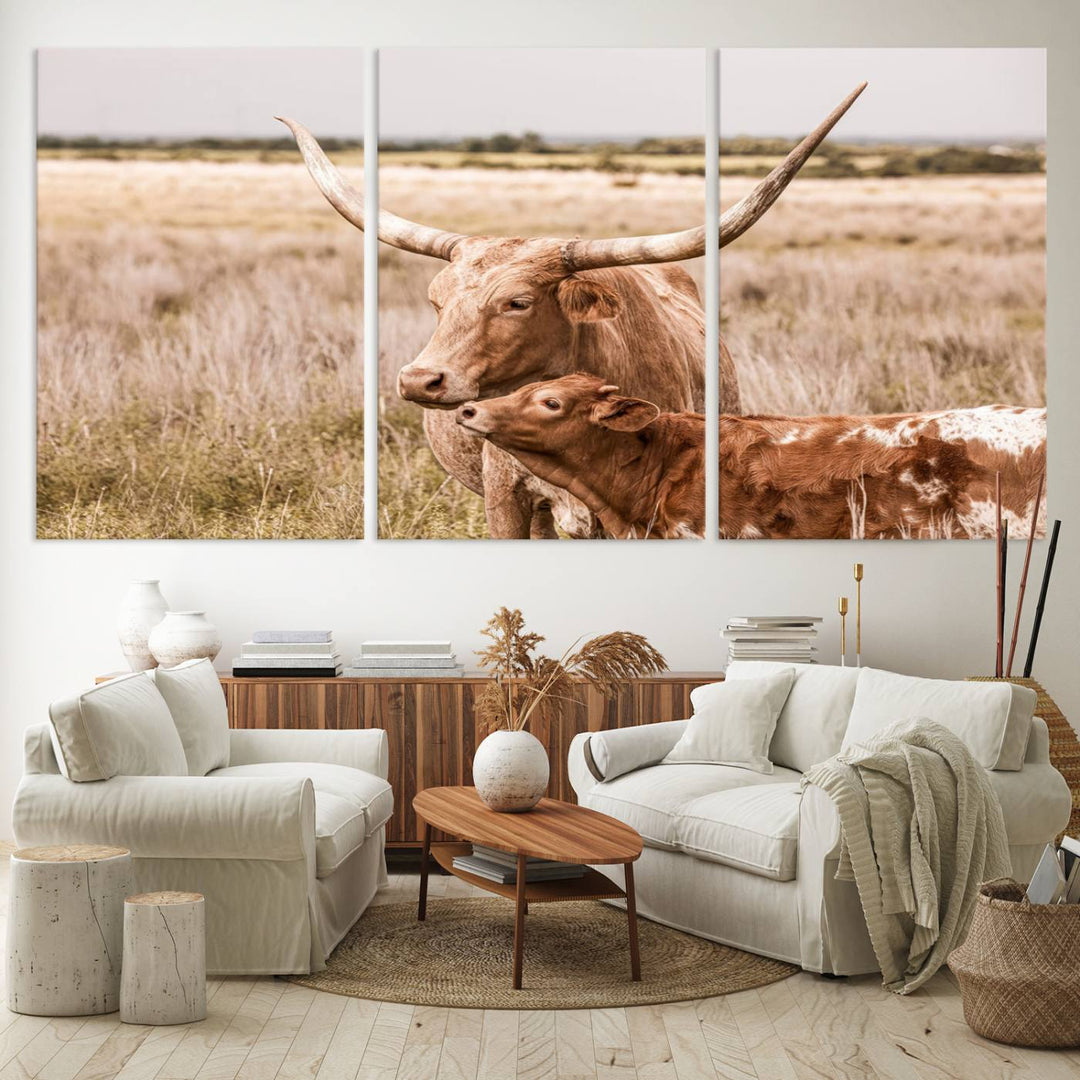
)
(553, 830)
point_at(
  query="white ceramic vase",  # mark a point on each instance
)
(142, 609)
(184, 635)
(510, 771)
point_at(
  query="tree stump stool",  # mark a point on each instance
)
(65, 928)
(164, 980)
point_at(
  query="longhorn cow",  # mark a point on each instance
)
(511, 310)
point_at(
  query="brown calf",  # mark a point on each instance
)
(642, 471)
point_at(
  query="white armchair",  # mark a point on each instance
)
(286, 842)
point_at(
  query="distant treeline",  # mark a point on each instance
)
(739, 156)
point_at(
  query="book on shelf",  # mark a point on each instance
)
(455, 672)
(507, 875)
(262, 672)
(288, 637)
(286, 662)
(406, 648)
(771, 634)
(288, 648)
(403, 660)
(752, 621)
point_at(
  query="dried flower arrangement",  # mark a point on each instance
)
(523, 680)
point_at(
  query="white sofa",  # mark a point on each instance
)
(284, 834)
(744, 858)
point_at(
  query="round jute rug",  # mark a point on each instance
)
(576, 957)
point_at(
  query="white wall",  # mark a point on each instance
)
(929, 606)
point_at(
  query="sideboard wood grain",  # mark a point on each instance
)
(431, 728)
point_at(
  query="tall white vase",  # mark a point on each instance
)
(184, 635)
(142, 609)
(510, 771)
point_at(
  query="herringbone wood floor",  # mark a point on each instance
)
(259, 1029)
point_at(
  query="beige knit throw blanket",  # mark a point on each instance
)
(921, 829)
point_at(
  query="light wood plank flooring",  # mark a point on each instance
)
(805, 1028)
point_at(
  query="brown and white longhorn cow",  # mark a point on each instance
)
(642, 471)
(512, 310)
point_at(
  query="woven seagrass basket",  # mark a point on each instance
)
(1019, 969)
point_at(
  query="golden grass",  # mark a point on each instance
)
(200, 368)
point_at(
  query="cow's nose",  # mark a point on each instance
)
(467, 411)
(421, 382)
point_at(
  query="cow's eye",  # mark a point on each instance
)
(519, 304)
(552, 404)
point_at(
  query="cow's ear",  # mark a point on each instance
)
(586, 299)
(624, 413)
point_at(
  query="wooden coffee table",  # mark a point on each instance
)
(551, 830)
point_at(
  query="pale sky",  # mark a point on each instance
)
(937, 93)
(621, 93)
(186, 93)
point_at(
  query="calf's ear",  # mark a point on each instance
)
(586, 300)
(624, 413)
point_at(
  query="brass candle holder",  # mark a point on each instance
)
(841, 607)
(858, 613)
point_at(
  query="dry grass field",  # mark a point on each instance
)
(199, 353)
(851, 295)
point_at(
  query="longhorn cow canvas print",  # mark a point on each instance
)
(885, 317)
(550, 219)
(200, 371)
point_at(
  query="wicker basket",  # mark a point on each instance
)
(1019, 969)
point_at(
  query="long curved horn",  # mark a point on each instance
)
(671, 247)
(349, 203)
(738, 218)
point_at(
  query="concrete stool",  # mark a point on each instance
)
(164, 980)
(64, 931)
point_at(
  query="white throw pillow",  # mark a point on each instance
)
(193, 693)
(992, 719)
(812, 722)
(121, 728)
(733, 722)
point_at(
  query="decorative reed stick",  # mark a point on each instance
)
(858, 614)
(1037, 625)
(998, 571)
(841, 607)
(1024, 574)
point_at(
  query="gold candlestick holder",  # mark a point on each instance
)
(858, 613)
(841, 607)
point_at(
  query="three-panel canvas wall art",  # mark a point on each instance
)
(550, 362)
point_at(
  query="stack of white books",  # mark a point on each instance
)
(288, 653)
(405, 660)
(787, 639)
(1057, 877)
(501, 866)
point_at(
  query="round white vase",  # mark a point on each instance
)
(184, 635)
(142, 609)
(510, 771)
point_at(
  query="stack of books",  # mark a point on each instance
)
(292, 653)
(1057, 877)
(787, 639)
(501, 866)
(405, 660)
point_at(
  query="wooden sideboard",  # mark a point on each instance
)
(431, 727)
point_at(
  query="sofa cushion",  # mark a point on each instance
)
(811, 725)
(611, 753)
(992, 719)
(193, 693)
(751, 828)
(339, 830)
(119, 728)
(366, 792)
(654, 800)
(733, 722)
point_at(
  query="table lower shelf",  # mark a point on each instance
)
(592, 886)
